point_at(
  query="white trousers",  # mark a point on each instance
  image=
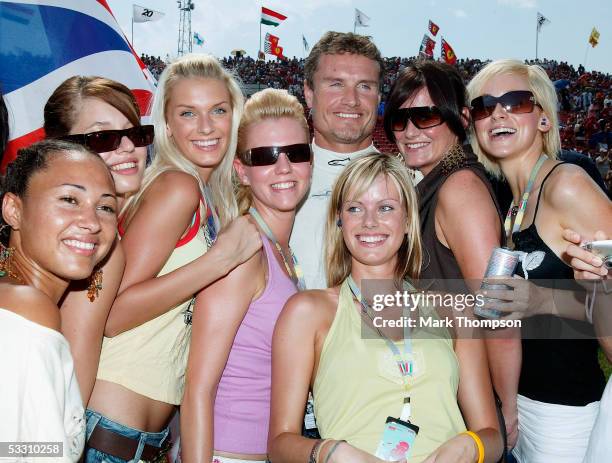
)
(553, 433)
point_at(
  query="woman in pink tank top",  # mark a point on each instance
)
(226, 407)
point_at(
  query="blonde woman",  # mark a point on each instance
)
(514, 109)
(227, 396)
(373, 233)
(167, 229)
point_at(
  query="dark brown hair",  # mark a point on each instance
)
(61, 110)
(445, 87)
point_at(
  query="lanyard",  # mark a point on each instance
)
(296, 272)
(211, 220)
(404, 363)
(521, 212)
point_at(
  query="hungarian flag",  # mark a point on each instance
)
(271, 18)
(427, 46)
(594, 38)
(448, 53)
(433, 28)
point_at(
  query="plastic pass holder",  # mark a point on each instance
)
(398, 437)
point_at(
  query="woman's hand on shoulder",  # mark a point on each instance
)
(238, 242)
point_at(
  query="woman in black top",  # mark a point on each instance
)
(426, 115)
(515, 122)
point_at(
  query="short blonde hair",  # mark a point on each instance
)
(166, 154)
(266, 104)
(545, 95)
(354, 180)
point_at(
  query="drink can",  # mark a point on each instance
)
(502, 263)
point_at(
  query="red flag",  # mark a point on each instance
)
(272, 39)
(427, 46)
(433, 28)
(271, 46)
(448, 53)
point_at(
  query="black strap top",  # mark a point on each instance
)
(440, 270)
(554, 370)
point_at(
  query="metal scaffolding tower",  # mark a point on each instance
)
(185, 39)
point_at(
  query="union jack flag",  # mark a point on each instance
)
(44, 42)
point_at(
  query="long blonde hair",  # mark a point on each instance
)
(266, 104)
(544, 92)
(166, 154)
(354, 180)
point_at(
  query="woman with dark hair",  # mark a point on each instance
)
(103, 115)
(426, 115)
(58, 221)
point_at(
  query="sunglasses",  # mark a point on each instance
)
(516, 102)
(268, 155)
(109, 140)
(423, 117)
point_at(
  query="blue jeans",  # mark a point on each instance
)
(94, 419)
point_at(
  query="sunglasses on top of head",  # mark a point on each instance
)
(268, 155)
(423, 117)
(516, 102)
(109, 140)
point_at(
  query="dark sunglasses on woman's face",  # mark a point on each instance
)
(268, 155)
(423, 117)
(517, 102)
(109, 140)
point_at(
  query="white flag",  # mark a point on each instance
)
(143, 15)
(542, 20)
(361, 19)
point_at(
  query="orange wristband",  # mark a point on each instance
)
(476, 438)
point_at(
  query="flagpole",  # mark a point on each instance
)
(537, 36)
(133, 30)
(586, 52)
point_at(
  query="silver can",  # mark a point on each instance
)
(502, 263)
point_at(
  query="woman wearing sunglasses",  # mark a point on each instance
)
(426, 115)
(514, 109)
(225, 412)
(168, 228)
(102, 115)
(329, 340)
(58, 221)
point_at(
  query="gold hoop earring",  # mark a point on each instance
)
(95, 285)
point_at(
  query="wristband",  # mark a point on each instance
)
(316, 449)
(478, 441)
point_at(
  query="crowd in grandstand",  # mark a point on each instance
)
(585, 98)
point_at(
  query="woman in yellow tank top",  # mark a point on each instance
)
(373, 233)
(169, 226)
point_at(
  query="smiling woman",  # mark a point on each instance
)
(58, 221)
(514, 107)
(229, 362)
(168, 229)
(373, 232)
(102, 115)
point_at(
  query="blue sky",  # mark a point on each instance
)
(475, 28)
